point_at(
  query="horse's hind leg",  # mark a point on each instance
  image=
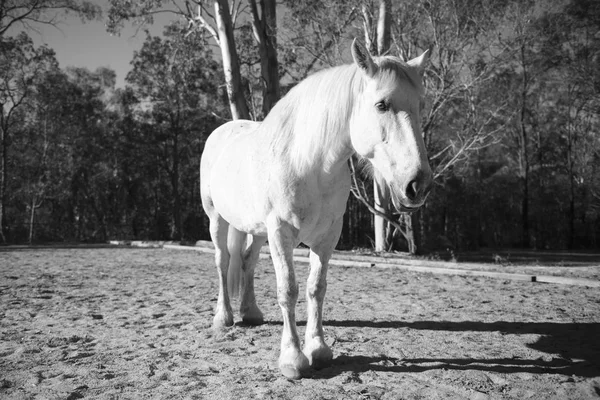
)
(218, 232)
(315, 348)
(249, 311)
(236, 242)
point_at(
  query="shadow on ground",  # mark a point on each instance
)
(576, 344)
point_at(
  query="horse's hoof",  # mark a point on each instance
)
(318, 354)
(253, 320)
(222, 321)
(252, 316)
(296, 367)
(291, 372)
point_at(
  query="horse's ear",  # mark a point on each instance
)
(420, 62)
(363, 59)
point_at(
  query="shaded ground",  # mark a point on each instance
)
(135, 323)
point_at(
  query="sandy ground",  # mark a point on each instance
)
(135, 324)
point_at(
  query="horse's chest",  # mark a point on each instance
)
(313, 207)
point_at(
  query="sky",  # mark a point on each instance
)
(88, 44)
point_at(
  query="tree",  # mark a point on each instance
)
(21, 65)
(174, 77)
(460, 119)
(63, 157)
(223, 35)
(39, 150)
(522, 42)
(378, 42)
(220, 25)
(315, 35)
(199, 16)
(264, 28)
(568, 51)
(29, 13)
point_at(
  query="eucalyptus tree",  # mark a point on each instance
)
(218, 23)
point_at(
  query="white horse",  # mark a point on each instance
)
(286, 180)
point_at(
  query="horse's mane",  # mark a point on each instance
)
(308, 121)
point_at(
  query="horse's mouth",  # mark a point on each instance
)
(408, 209)
(403, 208)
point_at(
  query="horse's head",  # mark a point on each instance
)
(385, 127)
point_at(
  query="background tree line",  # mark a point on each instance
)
(510, 121)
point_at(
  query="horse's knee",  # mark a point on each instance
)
(287, 296)
(222, 259)
(316, 290)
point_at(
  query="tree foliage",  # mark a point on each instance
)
(510, 119)
(21, 66)
(177, 80)
(30, 13)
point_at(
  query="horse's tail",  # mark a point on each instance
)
(236, 243)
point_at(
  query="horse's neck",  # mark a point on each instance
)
(312, 122)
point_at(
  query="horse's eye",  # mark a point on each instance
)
(382, 106)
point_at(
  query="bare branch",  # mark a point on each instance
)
(236, 11)
(257, 24)
(198, 21)
(19, 18)
(364, 199)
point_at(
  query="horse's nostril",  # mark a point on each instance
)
(412, 189)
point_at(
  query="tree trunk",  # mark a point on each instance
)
(265, 33)
(370, 41)
(230, 60)
(524, 156)
(3, 165)
(409, 235)
(31, 220)
(570, 167)
(176, 232)
(383, 27)
(571, 210)
(379, 200)
(381, 195)
(525, 211)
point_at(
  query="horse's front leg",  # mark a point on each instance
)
(292, 362)
(315, 348)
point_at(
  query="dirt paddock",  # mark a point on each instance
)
(135, 324)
